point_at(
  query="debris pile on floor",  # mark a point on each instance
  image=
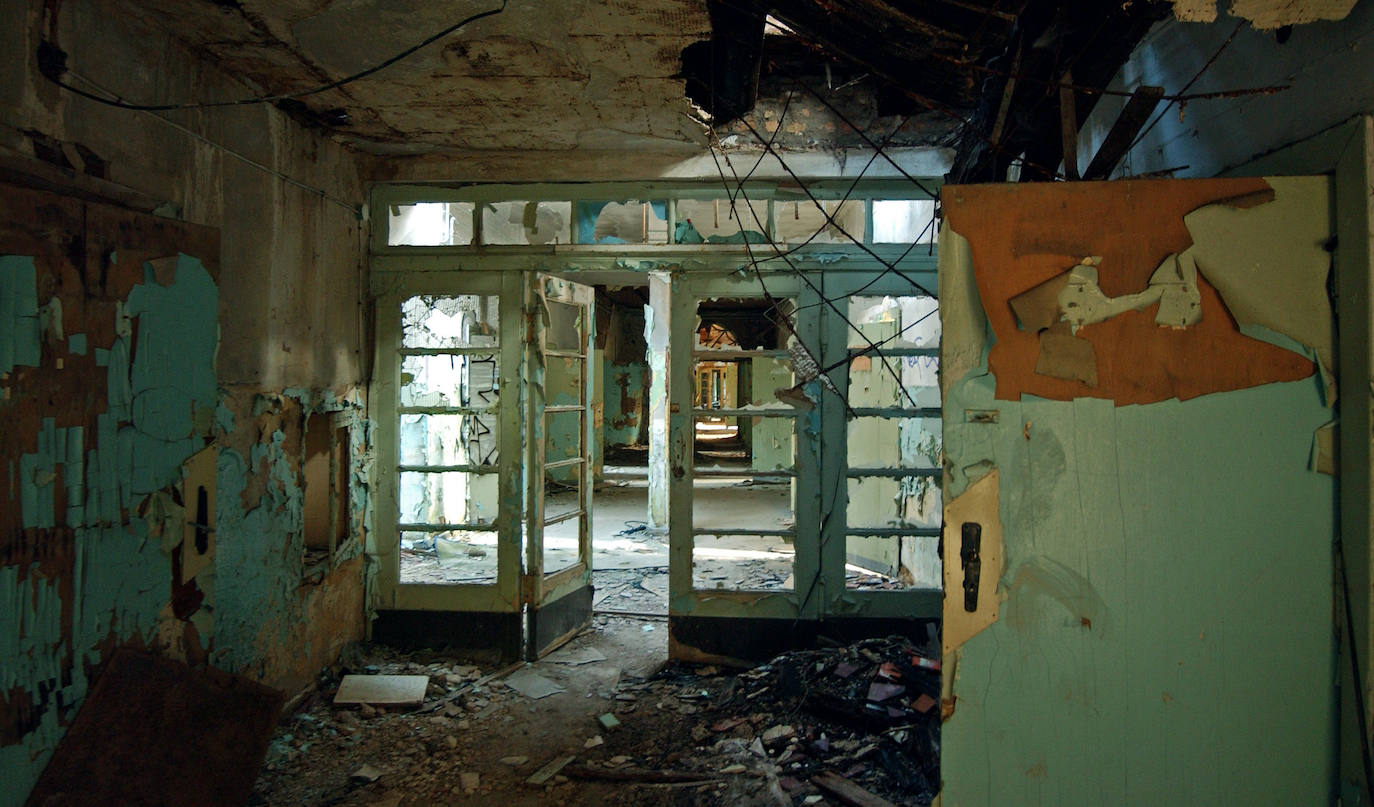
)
(857, 724)
(593, 723)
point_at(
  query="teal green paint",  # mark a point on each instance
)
(621, 382)
(173, 371)
(74, 474)
(121, 579)
(31, 646)
(37, 476)
(76, 344)
(258, 555)
(1193, 539)
(19, 328)
(224, 417)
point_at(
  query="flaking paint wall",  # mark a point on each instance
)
(232, 349)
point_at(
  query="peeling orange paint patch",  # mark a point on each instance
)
(1023, 235)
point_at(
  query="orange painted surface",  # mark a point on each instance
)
(1023, 234)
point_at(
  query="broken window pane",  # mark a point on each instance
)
(449, 380)
(465, 320)
(632, 222)
(717, 221)
(521, 222)
(563, 330)
(905, 501)
(886, 442)
(721, 506)
(430, 224)
(447, 497)
(449, 557)
(467, 439)
(801, 222)
(903, 221)
(873, 381)
(892, 562)
(562, 441)
(562, 517)
(894, 322)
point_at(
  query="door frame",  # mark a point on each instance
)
(406, 610)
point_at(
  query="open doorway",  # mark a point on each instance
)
(743, 483)
(743, 480)
(629, 553)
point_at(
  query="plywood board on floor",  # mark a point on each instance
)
(382, 690)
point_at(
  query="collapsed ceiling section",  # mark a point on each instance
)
(984, 75)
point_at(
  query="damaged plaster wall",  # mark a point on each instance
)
(1326, 66)
(1152, 553)
(259, 324)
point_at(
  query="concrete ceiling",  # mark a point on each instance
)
(540, 75)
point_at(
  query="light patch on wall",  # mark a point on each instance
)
(1270, 262)
(198, 527)
(976, 505)
(1325, 450)
(963, 320)
(1265, 14)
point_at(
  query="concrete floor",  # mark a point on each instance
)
(620, 540)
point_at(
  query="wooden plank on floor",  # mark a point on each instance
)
(846, 792)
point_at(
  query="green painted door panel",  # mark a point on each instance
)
(1165, 628)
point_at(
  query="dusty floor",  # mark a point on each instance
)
(686, 735)
(621, 541)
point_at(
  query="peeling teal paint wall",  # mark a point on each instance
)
(254, 614)
(121, 576)
(18, 312)
(260, 553)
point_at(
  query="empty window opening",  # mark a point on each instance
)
(744, 463)
(894, 448)
(719, 221)
(523, 223)
(631, 222)
(326, 521)
(430, 224)
(448, 396)
(833, 222)
(904, 221)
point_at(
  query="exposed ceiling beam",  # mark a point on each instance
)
(1128, 124)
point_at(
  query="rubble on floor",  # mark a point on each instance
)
(822, 726)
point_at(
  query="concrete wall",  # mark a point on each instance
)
(260, 325)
